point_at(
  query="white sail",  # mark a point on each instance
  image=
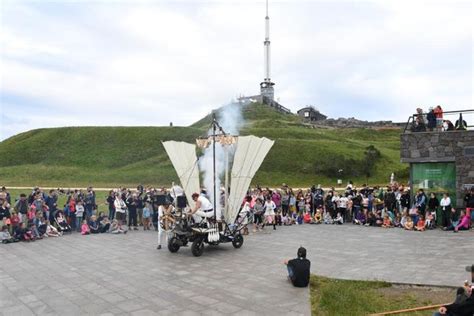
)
(249, 155)
(184, 160)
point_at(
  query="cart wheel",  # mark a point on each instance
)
(173, 245)
(238, 241)
(197, 248)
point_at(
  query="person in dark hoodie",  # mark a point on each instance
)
(464, 303)
(299, 269)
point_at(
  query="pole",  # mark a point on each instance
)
(226, 186)
(214, 163)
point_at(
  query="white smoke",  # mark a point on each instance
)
(231, 120)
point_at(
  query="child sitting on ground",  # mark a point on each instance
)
(116, 228)
(430, 220)
(327, 218)
(404, 219)
(387, 223)
(317, 217)
(285, 220)
(22, 233)
(85, 230)
(51, 231)
(360, 218)
(396, 221)
(420, 225)
(408, 224)
(5, 236)
(338, 220)
(307, 217)
(299, 219)
(378, 218)
(14, 221)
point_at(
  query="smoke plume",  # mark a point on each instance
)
(231, 120)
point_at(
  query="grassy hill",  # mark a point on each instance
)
(112, 156)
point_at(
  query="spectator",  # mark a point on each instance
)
(120, 208)
(299, 269)
(438, 111)
(21, 207)
(51, 231)
(430, 220)
(462, 305)
(93, 225)
(387, 223)
(420, 225)
(464, 222)
(408, 224)
(79, 215)
(5, 236)
(431, 118)
(85, 230)
(339, 220)
(117, 228)
(446, 215)
(110, 202)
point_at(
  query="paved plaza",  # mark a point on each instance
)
(125, 274)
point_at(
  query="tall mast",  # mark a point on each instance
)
(266, 44)
(266, 86)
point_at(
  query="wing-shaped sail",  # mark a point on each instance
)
(184, 160)
(249, 155)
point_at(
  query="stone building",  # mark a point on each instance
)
(440, 162)
(310, 114)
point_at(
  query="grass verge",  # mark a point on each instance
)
(348, 297)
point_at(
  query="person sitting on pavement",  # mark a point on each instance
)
(464, 303)
(299, 269)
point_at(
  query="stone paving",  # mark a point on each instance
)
(126, 275)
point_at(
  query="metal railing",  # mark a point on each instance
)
(450, 120)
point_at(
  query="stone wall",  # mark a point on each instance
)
(442, 147)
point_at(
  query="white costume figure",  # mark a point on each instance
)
(176, 191)
(202, 209)
(163, 210)
(269, 211)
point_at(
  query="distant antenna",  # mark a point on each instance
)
(266, 86)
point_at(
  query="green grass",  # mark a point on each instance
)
(115, 156)
(348, 297)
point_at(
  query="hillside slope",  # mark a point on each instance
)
(112, 156)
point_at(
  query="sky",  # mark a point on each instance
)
(149, 63)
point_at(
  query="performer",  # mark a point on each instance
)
(269, 212)
(165, 218)
(176, 191)
(202, 209)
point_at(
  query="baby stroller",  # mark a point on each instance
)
(61, 223)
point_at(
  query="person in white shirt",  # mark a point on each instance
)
(120, 208)
(342, 205)
(446, 212)
(269, 215)
(176, 191)
(165, 220)
(202, 209)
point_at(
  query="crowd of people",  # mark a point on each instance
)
(380, 207)
(434, 120)
(37, 215)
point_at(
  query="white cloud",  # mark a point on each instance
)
(149, 63)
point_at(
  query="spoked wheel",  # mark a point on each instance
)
(238, 241)
(173, 245)
(197, 247)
